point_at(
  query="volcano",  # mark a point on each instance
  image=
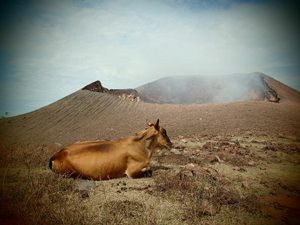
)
(97, 113)
(218, 89)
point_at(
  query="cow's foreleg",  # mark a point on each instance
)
(138, 169)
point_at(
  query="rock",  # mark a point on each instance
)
(190, 166)
(149, 191)
(129, 94)
(58, 144)
(236, 168)
(175, 151)
(251, 163)
(183, 174)
(218, 159)
(262, 168)
(245, 185)
(192, 170)
(83, 187)
(154, 163)
(184, 140)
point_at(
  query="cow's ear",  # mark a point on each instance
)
(147, 133)
(141, 134)
(152, 135)
(157, 125)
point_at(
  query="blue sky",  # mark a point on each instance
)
(51, 48)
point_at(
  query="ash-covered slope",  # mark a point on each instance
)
(219, 89)
(86, 115)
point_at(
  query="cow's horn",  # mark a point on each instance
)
(147, 121)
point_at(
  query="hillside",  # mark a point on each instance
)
(86, 115)
(218, 89)
(95, 112)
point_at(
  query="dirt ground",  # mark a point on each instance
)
(202, 180)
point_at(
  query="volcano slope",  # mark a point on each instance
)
(217, 89)
(86, 115)
(232, 163)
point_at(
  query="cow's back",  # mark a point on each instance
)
(96, 160)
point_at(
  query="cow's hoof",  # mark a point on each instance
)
(147, 173)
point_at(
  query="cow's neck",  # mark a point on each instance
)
(150, 147)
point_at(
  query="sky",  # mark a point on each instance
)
(52, 48)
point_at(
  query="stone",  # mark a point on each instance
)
(218, 159)
(175, 151)
(83, 185)
(58, 144)
(149, 191)
(184, 140)
(236, 168)
(245, 185)
(251, 163)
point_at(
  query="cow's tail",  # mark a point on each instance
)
(51, 163)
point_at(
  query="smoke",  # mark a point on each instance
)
(239, 87)
(201, 89)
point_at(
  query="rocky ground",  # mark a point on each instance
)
(254, 176)
(201, 180)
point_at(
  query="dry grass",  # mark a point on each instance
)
(32, 194)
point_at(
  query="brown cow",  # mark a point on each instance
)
(101, 160)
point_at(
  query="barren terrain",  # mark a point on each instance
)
(232, 163)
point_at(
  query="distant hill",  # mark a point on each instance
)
(218, 89)
(128, 94)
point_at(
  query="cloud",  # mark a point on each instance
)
(52, 48)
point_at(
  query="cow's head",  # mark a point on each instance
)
(158, 136)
